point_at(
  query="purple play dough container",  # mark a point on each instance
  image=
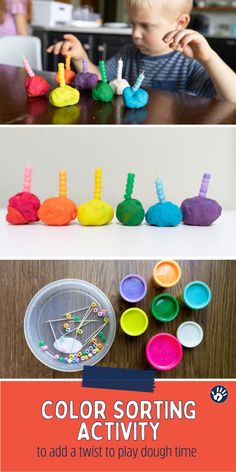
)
(133, 288)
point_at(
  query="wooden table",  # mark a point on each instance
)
(214, 358)
(163, 108)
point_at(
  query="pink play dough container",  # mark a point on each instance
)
(164, 351)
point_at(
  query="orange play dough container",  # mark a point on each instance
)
(166, 274)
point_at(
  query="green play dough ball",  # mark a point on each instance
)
(102, 92)
(130, 212)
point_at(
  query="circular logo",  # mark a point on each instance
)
(219, 394)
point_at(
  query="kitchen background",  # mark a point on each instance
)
(102, 26)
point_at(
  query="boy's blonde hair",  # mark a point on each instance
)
(179, 6)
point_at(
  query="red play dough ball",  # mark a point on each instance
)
(36, 86)
(69, 76)
(57, 211)
(23, 209)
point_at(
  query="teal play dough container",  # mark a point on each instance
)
(165, 307)
(196, 295)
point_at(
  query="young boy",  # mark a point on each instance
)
(173, 57)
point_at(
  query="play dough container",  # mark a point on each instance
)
(71, 297)
(196, 295)
(133, 288)
(134, 322)
(164, 351)
(165, 307)
(190, 334)
(166, 274)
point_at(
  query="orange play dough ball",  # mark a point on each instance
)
(57, 211)
(69, 76)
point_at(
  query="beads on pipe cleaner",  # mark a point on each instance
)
(164, 213)
(35, 85)
(103, 91)
(58, 211)
(23, 207)
(200, 210)
(130, 212)
(67, 72)
(64, 95)
(95, 212)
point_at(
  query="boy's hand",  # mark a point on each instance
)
(70, 45)
(191, 43)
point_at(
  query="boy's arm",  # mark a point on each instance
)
(195, 46)
(71, 45)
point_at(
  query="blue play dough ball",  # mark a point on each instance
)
(164, 214)
(137, 99)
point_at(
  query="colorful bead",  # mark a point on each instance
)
(86, 358)
(82, 358)
(66, 325)
(77, 360)
(77, 318)
(90, 348)
(79, 331)
(41, 344)
(94, 351)
(106, 320)
(44, 348)
(70, 361)
(94, 305)
(97, 350)
(100, 314)
(68, 330)
(68, 316)
(79, 354)
(65, 360)
(100, 346)
(71, 356)
(61, 359)
(90, 355)
(56, 357)
(87, 351)
(95, 310)
(94, 340)
(104, 312)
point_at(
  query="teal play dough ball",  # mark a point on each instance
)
(134, 99)
(102, 92)
(164, 214)
(130, 212)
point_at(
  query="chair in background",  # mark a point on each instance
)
(12, 48)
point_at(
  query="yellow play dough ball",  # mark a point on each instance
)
(95, 213)
(64, 96)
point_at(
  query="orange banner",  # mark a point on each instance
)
(61, 426)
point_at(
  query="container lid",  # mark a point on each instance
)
(164, 351)
(197, 295)
(133, 288)
(167, 273)
(165, 307)
(50, 343)
(190, 334)
(134, 322)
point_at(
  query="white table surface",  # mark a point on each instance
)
(116, 241)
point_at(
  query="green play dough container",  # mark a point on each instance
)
(165, 307)
(130, 212)
(102, 92)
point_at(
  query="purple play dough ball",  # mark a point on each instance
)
(85, 81)
(200, 211)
